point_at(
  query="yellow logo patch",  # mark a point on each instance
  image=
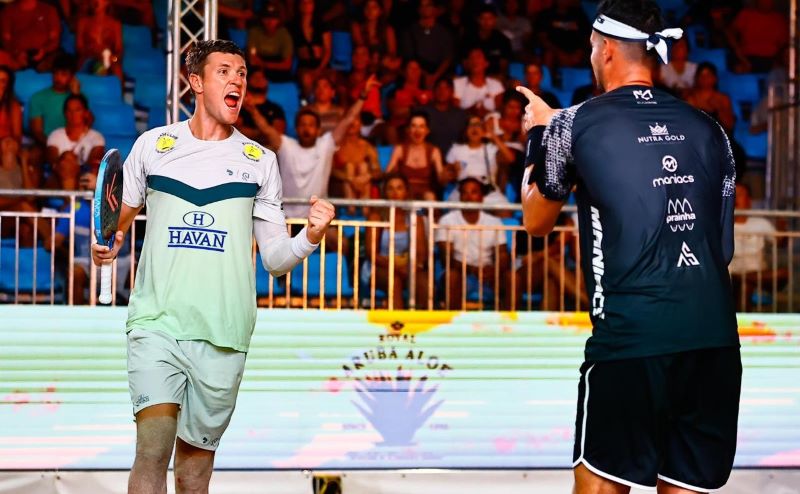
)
(252, 152)
(165, 143)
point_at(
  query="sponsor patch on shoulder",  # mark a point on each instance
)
(252, 151)
(165, 143)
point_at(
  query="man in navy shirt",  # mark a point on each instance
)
(654, 182)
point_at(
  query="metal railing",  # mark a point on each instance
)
(358, 266)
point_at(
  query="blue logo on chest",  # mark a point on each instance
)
(197, 234)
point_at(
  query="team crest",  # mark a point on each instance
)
(252, 152)
(165, 143)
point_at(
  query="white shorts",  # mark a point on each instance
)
(201, 378)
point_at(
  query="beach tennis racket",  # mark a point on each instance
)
(107, 206)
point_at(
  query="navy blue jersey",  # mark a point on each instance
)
(654, 183)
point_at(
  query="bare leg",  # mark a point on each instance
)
(156, 427)
(587, 482)
(667, 488)
(193, 467)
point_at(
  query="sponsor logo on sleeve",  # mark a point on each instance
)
(660, 134)
(252, 152)
(165, 143)
(197, 234)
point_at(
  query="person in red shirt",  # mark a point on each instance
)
(30, 31)
(758, 34)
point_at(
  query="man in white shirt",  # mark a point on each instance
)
(476, 92)
(76, 140)
(305, 163)
(484, 252)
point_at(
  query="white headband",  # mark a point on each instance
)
(619, 30)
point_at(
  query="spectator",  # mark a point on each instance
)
(705, 96)
(10, 109)
(475, 248)
(98, 41)
(352, 85)
(305, 163)
(30, 31)
(510, 133)
(456, 19)
(136, 12)
(312, 44)
(587, 92)
(47, 105)
(355, 166)
(329, 112)
(447, 119)
(234, 14)
(478, 157)
(16, 172)
(430, 43)
(494, 44)
(757, 36)
(778, 76)
(269, 45)
(418, 161)
(410, 92)
(749, 266)
(257, 95)
(562, 31)
(476, 92)
(678, 74)
(517, 28)
(395, 188)
(76, 142)
(533, 81)
(378, 36)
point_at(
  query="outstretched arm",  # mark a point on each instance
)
(354, 111)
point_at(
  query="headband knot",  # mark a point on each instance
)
(620, 30)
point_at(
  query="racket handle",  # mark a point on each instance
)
(105, 284)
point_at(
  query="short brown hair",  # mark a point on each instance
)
(307, 112)
(198, 54)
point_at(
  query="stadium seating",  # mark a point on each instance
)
(23, 272)
(262, 282)
(101, 89)
(67, 39)
(754, 145)
(572, 78)
(29, 82)
(287, 95)
(136, 37)
(113, 119)
(123, 143)
(341, 50)
(510, 233)
(238, 36)
(151, 92)
(717, 56)
(697, 36)
(148, 63)
(384, 155)
(516, 71)
(314, 267)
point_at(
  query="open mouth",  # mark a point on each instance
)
(232, 99)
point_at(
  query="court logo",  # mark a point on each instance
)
(644, 97)
(252, 152)
(165, 143)
(680, 215)
(687, 258)
(660, 134)
(197, 234)
(669, 163)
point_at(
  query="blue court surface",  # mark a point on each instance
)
(360, 390)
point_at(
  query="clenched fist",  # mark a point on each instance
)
(319, 218)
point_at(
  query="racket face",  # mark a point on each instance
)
(108, 198)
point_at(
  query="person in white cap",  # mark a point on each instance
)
(658, 397)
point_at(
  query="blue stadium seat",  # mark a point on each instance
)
(717, 56)
(238, 36)
(741, 87)
(67, 39)
(330, 277)
(512, 194)
(151, 63)
(341, 50)
(697, 35)
(136, 37)
(564, 96)
(590, 9)
(101, 89)
(384, 155)
(113, 120)
(755, 146)
(151, 92)
(287, 95)
(161, 8)
(510, 233)
(262, 282)
(572, 78)
(673, 10)
(27, 82)
(123, 143)
(9, 272)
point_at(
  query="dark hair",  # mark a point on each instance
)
(709, 66)
(447, 80)
(389, 177)
(7, 97)
(198, 54)
(644, 15)
(306, 111)
(470, 178)
(76, 97)
(420, 114)
(64, 62)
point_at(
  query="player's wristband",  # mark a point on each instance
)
(534, 152)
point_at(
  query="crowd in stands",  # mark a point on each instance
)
(364, 98)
